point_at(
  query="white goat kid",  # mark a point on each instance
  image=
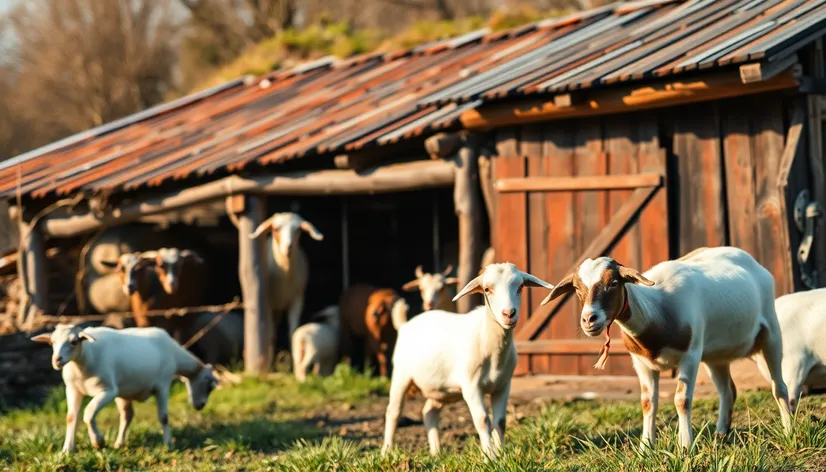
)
(315, 344)
(122, 365)
(288, 268)
(714, 305)
(433, 289)
(802, 318)
(451, 357)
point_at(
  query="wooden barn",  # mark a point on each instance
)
(640, 130)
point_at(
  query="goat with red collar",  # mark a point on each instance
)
(712, 306)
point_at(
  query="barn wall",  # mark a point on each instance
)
(720, 160)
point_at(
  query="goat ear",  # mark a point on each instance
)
(266, 225)
(633, 276)
(189, 254)
(411, 286)
(311, 230)
(566, 285)
(451, 280)
(474, 286)
(110, 264)
(534, 281)
(419, 273)
(42, 338)
(83, 335)
(448, 270)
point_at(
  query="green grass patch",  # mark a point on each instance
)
(266, 425)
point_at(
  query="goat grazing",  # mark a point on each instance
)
(713, 305)
(433, 288)
(803, 324)
(450, 357)
(287, 265)
(124, 365)
(315, 344)
(370, 318)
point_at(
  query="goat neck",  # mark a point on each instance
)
(643, 309)
(494, 340)
(186, 363)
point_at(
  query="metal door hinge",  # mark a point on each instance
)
(805, 212)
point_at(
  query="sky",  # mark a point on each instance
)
(6, 4)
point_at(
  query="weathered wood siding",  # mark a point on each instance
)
(720, 160)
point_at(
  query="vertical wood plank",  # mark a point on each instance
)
(654, 220)
(768, 151)
(697, 147)
(740, 192)
(531, 146)
(511, 221)
(558, 155)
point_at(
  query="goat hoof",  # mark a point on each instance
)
(98, 443)
(118, 445)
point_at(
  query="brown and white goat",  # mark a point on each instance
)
(287, 266)
(712, 306)
(151, 280)
(433, 289)
(370, 319)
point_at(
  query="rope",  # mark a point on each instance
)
(205, 329)
(42, 318)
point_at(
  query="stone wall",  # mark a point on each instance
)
(26, 374)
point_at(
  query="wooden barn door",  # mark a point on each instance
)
(558, 206)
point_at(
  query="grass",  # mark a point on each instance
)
(263, 425)
(339, 39)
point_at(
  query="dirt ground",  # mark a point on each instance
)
(365, 422)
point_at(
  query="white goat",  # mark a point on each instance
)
(123, 365)
(433, 289)
(802, 318)
(315, 344)
(714, 305)
(287, 265)
(450, 357)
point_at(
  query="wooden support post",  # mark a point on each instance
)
(32, 269)
(489, 194)
(259, 339)
(468, 204)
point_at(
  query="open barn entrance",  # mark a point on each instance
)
(374, 239)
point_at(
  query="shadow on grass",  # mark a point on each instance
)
(256, 435)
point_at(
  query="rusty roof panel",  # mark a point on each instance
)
(331, 106)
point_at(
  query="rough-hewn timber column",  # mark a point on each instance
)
(252, 272)
(468, 204)
(32, 269)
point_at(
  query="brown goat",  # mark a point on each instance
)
(370, 316)
(152, 281)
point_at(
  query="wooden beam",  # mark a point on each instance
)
(583, 183)
(760, 71)
(563, 101)
(259, 334)
(468, 203)
(606, 102)
(624, 217)
(794, 149)
(567, 346)
(488, 194)
(392, 178)
(443, 145)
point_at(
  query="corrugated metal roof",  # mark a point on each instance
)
(332, 106)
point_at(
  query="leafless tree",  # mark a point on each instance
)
(82, 63)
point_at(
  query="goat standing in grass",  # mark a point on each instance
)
(123, 365)
(450, 357)
(712, 306)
